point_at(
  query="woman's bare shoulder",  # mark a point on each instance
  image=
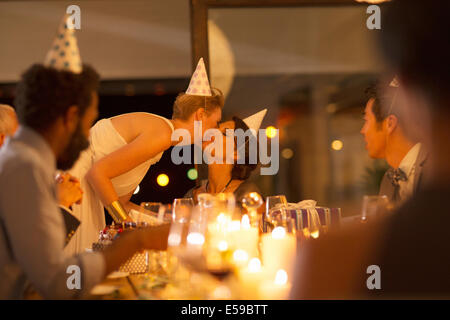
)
(131, 125)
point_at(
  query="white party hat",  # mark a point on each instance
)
(254, 121)
(199, 85)
(64, 53)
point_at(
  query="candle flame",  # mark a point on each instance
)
(195, 238)
(254, 265)
(234, 225)
(223, 245)
(281, 277)
(245, 222)
(278, 233)
(240, 255)
(221, 218)
(174, 240)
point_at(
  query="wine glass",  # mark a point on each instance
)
(251, 202)
(374, 206)
(151, 206)
(181, 212)
(275, 211)
(187, 239)
(181, 209)
(225, 202)
(205, 200)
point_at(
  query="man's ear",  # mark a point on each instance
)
(71, 118)
(391, 123)
(199, 114)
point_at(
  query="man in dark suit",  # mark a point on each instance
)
(386, 138)
(411, 248)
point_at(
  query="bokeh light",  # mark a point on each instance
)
(192, 174)
(162, 180)
(271, 132)
(337, 145)
(287, 153)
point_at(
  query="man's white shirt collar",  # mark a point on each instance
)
(408, 162)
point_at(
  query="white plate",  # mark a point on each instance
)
(103, 289)
(118, 274)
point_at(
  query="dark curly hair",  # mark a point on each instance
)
(44, 94)
(243, 171)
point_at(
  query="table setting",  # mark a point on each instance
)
(217, 249)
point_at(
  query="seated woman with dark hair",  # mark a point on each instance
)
(232, 177)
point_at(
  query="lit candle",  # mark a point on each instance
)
(277, 289)
(278, 251)
(217, 233)
(240, 257)
(243, 236)
(195, 241)
(250, 279)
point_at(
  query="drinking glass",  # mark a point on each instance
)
(373, 207)
(251, 202)
(275, 212)
(214, 205)
(187, 237)
(181, 212)
(181, 209)
(151, 206)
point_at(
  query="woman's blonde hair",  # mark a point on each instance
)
(185, 104)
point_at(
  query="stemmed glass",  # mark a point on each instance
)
(181, 209)
(374, 206)
(187, 231)
(275, 211)
(151, 206)
(251, 202)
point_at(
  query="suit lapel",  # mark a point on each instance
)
(420, 162)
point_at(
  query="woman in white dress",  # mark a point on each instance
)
(121, 151)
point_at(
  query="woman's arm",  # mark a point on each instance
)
(145, 146)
